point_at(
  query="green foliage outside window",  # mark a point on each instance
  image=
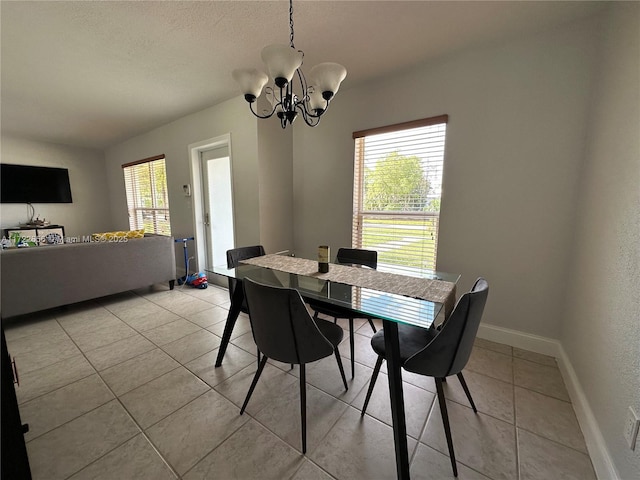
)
(147, 197)
(398, 183)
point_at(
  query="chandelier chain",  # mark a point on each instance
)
(291, 23)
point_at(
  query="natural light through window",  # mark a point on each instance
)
(147, 197)
(397, 192)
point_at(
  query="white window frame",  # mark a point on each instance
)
(154, 218)
(401, 251)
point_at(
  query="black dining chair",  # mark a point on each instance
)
(348, 256)
(439, 352)
(234, 257)
(284, 331)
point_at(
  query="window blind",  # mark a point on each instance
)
(397, 191)
(147, 196)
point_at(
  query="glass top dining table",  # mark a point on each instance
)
(391, 307)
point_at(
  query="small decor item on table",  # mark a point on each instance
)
(19, 241)
(323, 258)
(53, 238)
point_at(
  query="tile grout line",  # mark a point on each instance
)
(115, 397)
(71, 420)
(513, 382)
(141, 431)
(255, 419)
(250, 417)
(60, 361)
(153, 445)
(424, 429)
(554, 441)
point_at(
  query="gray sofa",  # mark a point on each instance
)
(37, 278)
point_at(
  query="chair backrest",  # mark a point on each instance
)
(358, 256)
(348, 256)
(282, 327)
(234, 256)
(449, 351)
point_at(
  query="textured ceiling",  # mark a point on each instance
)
(94, 73)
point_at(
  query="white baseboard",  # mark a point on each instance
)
(516, 338)
(598, 451)
(602, 463)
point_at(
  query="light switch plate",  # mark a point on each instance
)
(631, 428)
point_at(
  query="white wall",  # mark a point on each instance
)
(601, 329)
(275, 147)
(517, 122)
(323, 178)
(89, 212)
(173, 140)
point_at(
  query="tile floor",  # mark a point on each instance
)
(125, 388)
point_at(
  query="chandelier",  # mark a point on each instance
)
(283, 64)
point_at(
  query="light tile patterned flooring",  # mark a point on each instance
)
(125, 388)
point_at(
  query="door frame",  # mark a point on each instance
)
(195, 167)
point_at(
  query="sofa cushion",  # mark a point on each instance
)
(110, 236)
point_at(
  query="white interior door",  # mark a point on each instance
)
(217, 204)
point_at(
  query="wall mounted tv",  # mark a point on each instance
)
(29, 184)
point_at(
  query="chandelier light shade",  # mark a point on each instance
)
(316, 102)
(328, 77)
(251, 81)
(282, 63)
(309, 98)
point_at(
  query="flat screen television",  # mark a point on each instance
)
(29, 184)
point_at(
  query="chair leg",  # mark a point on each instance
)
(447, 427)
(344, 379)
(352, 345)
(263, 362)
(372, 383)
(373, 327)
(258, 355)
(303, 406)
(466, 390)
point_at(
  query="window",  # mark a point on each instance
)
(397, 190)
(147, 199)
